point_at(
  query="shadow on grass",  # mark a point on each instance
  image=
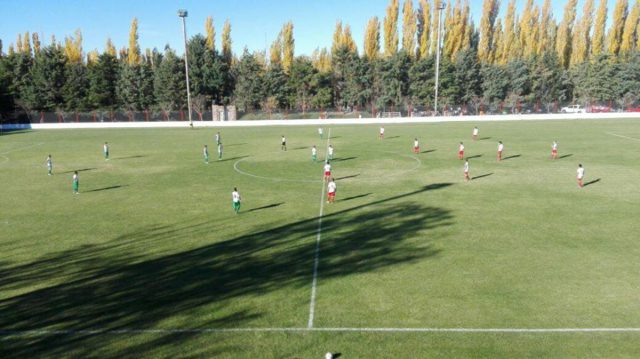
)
(105, 188)
(354, 197)
(230, 159)
(391, 138)
(300, 148)
(510, 157)
(428, 151)
(592, 182)
(128, 157)
(474, 156)
(115, 285)
(347, 177)
(5, 132)
(566, 156)
(273, 205)
(481, 176)
(235, 144)
(484, 138)
(80, 170)
(343, 159)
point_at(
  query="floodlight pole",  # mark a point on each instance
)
(183, 14)
(435, 101)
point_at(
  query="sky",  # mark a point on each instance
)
(254, 23)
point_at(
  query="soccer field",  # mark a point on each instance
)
(411, 261)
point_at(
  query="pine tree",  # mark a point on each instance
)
(563, 42)
(110, 48)
(581, 37)
(489, 13)
(227, 55)
(249, 79)
(288, 46)
(630, 30)
(424, 28)
(74, 91)
(48, 78)
(617, 27)
(391, 29)
(372, 39)
(597, 41)
(409, 28)
(211, 33)
(169, 86)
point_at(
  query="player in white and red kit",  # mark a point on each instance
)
(461, 151)
(381, 136)
(554, 150)
(327, 171)
(416, 146)
(580, 175)
(466, 171)
(500, 149)
(331, 191)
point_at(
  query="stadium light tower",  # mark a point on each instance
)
(183, 14)
(435, 101)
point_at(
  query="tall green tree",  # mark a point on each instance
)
(48, 78)
(103, 77)
(467, 76)
(169, 84)
(74, 91)
(249, 76)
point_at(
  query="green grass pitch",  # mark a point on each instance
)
(152, 245)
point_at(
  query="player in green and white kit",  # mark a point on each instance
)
(320, 132)
(49, 165)
(105, 150)
(235, 197)
(205, 152)
(218, 139)
(219, 151)
(76, 183)
(330, 153)
(314, 153)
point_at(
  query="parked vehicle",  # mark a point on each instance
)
(573, 109)
(599, 109)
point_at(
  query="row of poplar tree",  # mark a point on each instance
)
(521, 58)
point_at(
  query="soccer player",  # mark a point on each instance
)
(327, 171)
(475, 133)
(381, 136)
(331, 191)
(330, 153)
(461, 151)
(49, 165)
(554, 150)
(500, 149)
(416, 146)
(205, 152)
(314, 153)
(466, 171)
(580, 175)
(105, 149)
(218, 139)
(320, 132)
(76, 182)
(235, 198)
(283, 146)
(219, 151)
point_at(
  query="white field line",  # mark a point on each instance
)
(316, 260)
(22, 148)
(5, 333)
(621, 136)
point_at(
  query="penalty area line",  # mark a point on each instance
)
(316, 260)
(34, 332)
(621, 136)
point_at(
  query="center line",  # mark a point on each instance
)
(312, 305)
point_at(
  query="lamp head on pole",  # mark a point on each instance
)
(442, 6)
(183, 13)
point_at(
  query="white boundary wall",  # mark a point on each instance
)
(354, 121)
